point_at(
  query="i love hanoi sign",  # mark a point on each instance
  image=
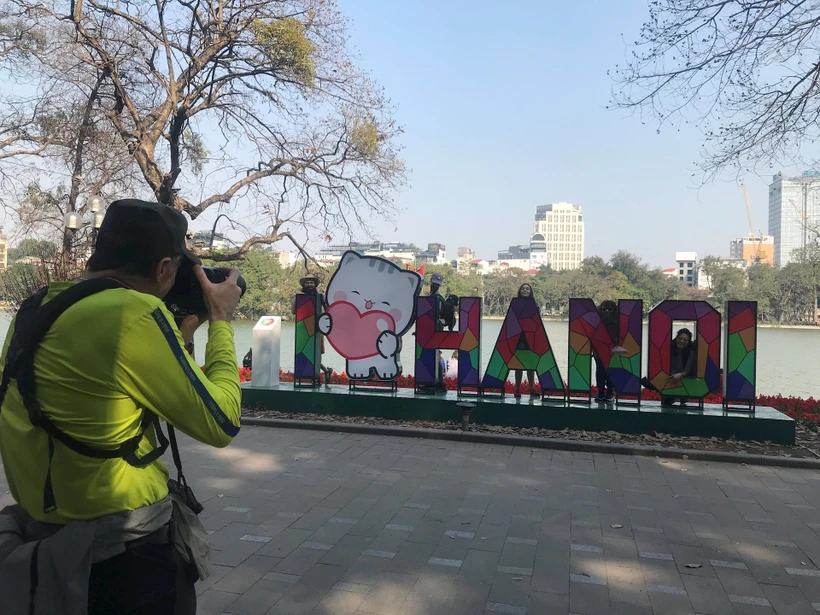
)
(371, 303)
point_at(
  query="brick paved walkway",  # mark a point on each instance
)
(330, 524)
(327, 524)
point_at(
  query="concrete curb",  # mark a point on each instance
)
(548, 443)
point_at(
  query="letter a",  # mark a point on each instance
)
(523, 344)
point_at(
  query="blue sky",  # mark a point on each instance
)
(504, 110)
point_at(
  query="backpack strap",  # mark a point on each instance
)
(24, 315)
(33, 322)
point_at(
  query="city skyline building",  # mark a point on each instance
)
(436, 254)
(286, 258)
(794, 214)
(687, 267)
(558, 236)
(515, 257)
(405, 253)
(202, 239)
(754, 249)
(464, 258)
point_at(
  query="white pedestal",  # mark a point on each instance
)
(265, 344)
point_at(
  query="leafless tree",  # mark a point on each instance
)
(747, 72)
(58, 149)
(255, 101)
(20, 134)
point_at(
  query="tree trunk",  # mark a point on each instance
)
(68, 260)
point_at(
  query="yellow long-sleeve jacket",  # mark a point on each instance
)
(103, 361)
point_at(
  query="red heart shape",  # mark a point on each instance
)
(354, 334)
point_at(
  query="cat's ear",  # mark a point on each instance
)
(414, 279)
(349, 257)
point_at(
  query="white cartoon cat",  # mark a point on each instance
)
(371, 303)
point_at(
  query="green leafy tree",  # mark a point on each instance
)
(270, 287)
(595, 265)
(39, 249)
(808, 261)
(500, 288)
(725, 281)
(628, 264)
(765, 288)
(729, 284)
(620, 286)
(798, 299)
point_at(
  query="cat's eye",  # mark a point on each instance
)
(356, 292)
(385, 303)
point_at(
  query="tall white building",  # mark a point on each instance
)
(687, 267)
(558, 236)
(794, 213)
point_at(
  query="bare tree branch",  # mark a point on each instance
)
(745, 71)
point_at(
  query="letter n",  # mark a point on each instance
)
(523, 344)
(467, 340)
(308, 340)
(740, 364)
(587, 333)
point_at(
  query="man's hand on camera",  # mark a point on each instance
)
(189, 325)
(221, 299)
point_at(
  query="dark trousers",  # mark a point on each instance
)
(602, 380)
(150, 578)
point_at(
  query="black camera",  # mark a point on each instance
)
(185, 297)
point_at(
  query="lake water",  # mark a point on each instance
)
(788, 359)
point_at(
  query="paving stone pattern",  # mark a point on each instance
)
(325, 523)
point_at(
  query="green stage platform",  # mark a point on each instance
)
(404, 405)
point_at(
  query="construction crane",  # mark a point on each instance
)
(748, 209)
(759, 253)
(756, 257)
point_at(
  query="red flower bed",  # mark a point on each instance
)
(806, 411)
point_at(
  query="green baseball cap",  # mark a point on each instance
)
(159, 230)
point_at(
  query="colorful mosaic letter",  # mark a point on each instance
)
(708, 347)
(308, 356)
(740, 366)
(587, 332)
(467, 340)
(523, 344)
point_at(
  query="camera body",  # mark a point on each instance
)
(185, 297)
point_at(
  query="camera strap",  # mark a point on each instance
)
(32, 322)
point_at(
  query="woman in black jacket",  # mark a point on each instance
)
(683, 356)
(609, 316)
(682, 365)
(524, 292)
